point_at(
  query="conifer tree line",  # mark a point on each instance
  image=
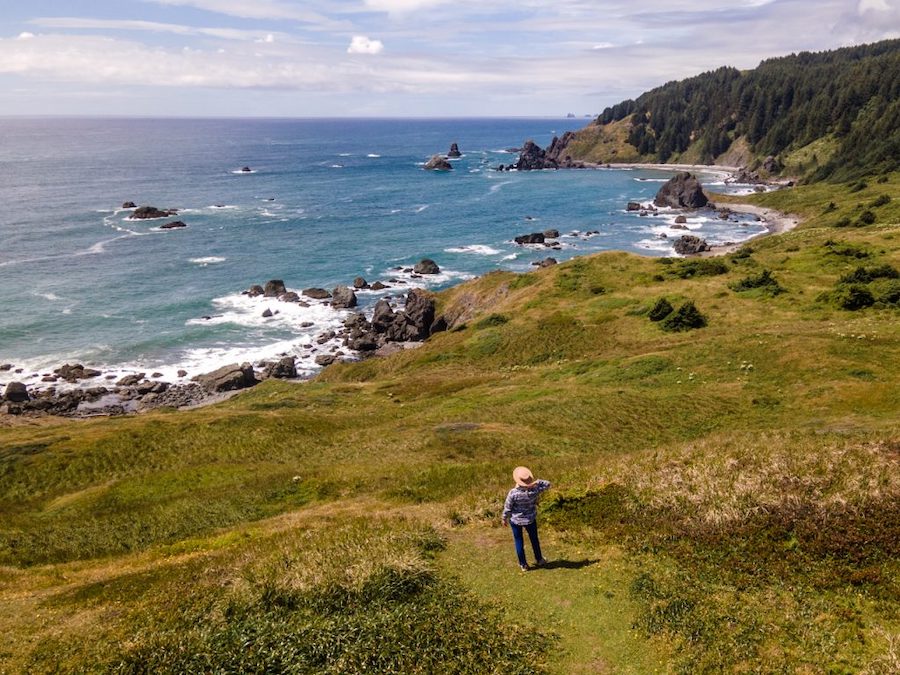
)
(851, 95)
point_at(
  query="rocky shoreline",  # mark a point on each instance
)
(74, 390)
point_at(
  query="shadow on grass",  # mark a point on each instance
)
(566, 564)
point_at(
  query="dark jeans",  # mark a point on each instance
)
(520, 541)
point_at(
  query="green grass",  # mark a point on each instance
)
(731, 490)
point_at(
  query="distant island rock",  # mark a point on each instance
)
(454, 151)
(151, 212)
(438, 163)
(174, 225)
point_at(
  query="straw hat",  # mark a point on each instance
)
(523, 476)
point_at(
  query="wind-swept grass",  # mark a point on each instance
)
(733, 487)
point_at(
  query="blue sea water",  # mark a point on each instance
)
(328, 200)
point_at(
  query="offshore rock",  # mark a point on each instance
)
(454, 151)
(150, 212)
(274, 288)
(426, 266)
(682, 191)
(438, 163)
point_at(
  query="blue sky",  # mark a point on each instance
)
(393, 57)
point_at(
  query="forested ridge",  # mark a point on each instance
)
(847, 101)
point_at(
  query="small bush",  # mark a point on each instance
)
(845, 249)
(866, 218)
(492, 321)
(888, 292)
(698, 267)
(843, 222)
(831, 207)
(881, 200)
(864, 275)
(859, 186)
(853, 297)
(763, 280)
(686, 317)
(660, 310)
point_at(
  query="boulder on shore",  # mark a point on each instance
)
(426, 266)
(688, 244)
(680, 220)
(454, 151)
(633, 206)
(16, 392)
(343, 297)
(283, 369)
(682, 191)
(228, 378)
(438, 163)
(151, 212)
(255, 290)
(360, 283)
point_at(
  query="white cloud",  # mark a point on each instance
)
(874, 5)
(360, 44)
(152, 27)
(256, 9)
(25, 36)
(401, 6)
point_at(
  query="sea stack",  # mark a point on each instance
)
(454, 151)
(682, 191)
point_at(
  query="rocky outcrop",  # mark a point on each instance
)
(274, 288)
(533, 238)
(771, 165)
(382, 317)
(316, 293)
(151, 212)
(680, 220)
(343, 297)
(688, 244)
(174, 225)
(228, 378)
(255, 290)
(454, 151)
(682, 191)
(633, 206)
(360, 283)
(533, 158)
(426, 266)
(551, 234)
(438, 163)
(290, 296)
(283, 369)
(419, 311)
(129, 205)
(546, 262)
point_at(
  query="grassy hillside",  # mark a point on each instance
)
(833, 114)
(725, 498)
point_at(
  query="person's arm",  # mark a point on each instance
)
(507, 508)
(542, 485)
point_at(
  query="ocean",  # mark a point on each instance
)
(325, 201)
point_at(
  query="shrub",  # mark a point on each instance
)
(698, 267)
(881, 200)
(831, 207)
(660, 310)
(853, 297)
(863, 275)
(845, 249)
(859, 186)
(686, 317)
(866, 218)
(843, 222)
(492, 321)
(763, 280)
(888, 292)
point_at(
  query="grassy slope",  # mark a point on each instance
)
(725, 498)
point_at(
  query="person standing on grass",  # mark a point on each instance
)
(520, 512)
